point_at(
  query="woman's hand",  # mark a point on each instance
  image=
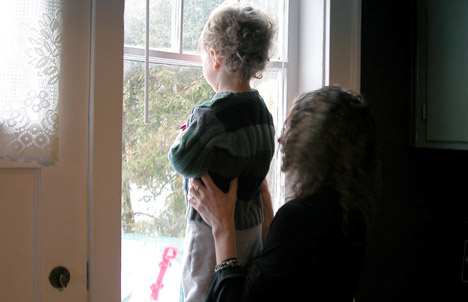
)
(217, 209)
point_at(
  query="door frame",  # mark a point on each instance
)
(105, 144)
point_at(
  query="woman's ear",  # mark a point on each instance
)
(215, 57)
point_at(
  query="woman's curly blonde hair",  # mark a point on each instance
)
(242, 35)
(328, 142)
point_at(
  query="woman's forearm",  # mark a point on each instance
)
(225, 241)
(267, 209)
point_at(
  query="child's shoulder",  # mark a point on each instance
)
(206, 105)
(232, 105)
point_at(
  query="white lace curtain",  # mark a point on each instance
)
(30, 47)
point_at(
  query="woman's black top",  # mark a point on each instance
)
(308, 256)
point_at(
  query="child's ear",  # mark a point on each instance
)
(216, 58)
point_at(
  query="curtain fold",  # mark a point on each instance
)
(30, 49)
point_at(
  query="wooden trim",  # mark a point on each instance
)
(345, 44)
(105, 149)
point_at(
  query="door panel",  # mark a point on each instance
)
(18, 219)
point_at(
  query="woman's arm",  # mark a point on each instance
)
(217, 209)
(268, 214)
(267, 273)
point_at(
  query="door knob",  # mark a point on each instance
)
(59, 277)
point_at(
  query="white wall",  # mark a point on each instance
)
(312, 45)
(329, 44)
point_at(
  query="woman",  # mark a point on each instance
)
(316, 244)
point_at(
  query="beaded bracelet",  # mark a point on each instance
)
(232, 262)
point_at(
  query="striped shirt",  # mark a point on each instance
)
(230, 136)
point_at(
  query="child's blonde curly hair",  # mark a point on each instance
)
(242, 35)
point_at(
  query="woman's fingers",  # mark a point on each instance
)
(208, 181)
(195, 186)
(195, 191)
(209, 201)
(211, 186)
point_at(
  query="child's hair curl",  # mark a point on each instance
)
(242, 35)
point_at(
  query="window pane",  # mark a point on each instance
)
(153, 204)
(163, 23)
(274, 8)
(270, 88)
(163, 31)
(196, 13)
(134, 19)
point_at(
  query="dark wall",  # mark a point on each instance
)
(415, 251)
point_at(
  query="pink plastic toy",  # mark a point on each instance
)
(170, 252)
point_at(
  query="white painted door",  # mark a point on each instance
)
(44, 209)
(69, 213)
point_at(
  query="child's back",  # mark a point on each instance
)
(231, 136)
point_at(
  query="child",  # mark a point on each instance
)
(230, 136)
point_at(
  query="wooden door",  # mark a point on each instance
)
(44, 208)
(68, 214)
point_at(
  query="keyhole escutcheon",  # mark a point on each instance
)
(59, 277)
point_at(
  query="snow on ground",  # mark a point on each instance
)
(141, 258)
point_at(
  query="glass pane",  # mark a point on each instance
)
(163, 31)
(134, 19)
(153, 204)
(196, 13)
(274, 8)
(270, 88)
